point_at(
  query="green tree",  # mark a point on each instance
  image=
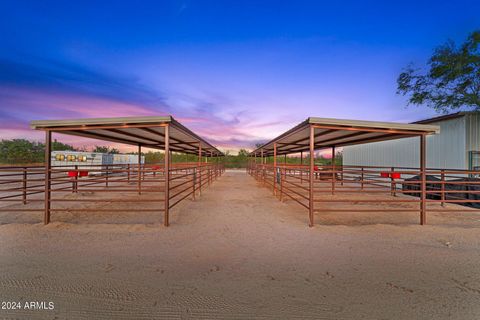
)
(452, 81)
(20, 151)
(259, 144)
(106, 149)
(58, 146)
(243, 153)
(154, 157)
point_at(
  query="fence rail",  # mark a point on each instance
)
(368, 184)
(103, 188)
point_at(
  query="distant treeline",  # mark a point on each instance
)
(22, 151)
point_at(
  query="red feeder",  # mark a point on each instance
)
(83, 173)
(155, 168)
(384, 174)
(315, 168)
(395, 175)
(72, 173)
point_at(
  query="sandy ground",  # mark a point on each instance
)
(238, 253)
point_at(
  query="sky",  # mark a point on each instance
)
(235, 72)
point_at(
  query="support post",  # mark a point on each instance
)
(362, 176)
(139, 178)
(210, 171)
(443, 187)
(106, 176)
(334, 174)
(263, 167)
(394, 186)
(48, 175)
(312, 164)
(423, 204)
(200, 167)
(255, 165)
(75, 180)
(301, 167)
(167, 176)
(194, 182)
(275, 168)
(281, 172)
(24, 185)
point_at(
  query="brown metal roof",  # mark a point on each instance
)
(441, 118)
(145, 131)
(340, 132)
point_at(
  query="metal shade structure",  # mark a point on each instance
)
(138, 131)
(163, 133)
(326, 133)
(338, 133)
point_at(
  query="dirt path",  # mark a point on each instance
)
(238, 253)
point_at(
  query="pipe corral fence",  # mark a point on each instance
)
(312, 185)
(162, 186)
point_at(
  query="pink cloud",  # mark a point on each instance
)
(225, 130)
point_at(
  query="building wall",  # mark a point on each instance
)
(444, 150)
(473, 131)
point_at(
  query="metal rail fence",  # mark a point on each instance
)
(357, 185)
(104, 188)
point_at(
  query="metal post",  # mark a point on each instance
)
(393, 186)
(75, 179)
(423, 204)
(301, 167)
(24, 185)
(263, 167)
(194, 181)
(106, 175)
(361, 184)
(167, 177)
(128, 172)
(139, 169)
(334, 174)
(200, 167)
(254, 166)
(281, 171)
(274, 168)
(48, 175)
(210, 167)
(310, 198)
(443, 188)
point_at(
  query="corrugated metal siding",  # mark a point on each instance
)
(444, 150)
(473, 131)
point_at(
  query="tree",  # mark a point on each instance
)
(105, 149)
(22, 151)
(243, 153)
(259, 144)
(451, 83)
(18, 151)
(58, 146)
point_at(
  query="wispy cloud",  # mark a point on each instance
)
(48, 89)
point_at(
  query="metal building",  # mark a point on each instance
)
(456, 147)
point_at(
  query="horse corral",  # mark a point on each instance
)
(318, 188)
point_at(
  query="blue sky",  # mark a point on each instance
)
(236, 72)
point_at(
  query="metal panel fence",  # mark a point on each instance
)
(360, 185)
(104, 188)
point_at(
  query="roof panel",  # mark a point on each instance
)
(145, 131)
(341, 132)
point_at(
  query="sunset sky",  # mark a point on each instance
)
(235, 72)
